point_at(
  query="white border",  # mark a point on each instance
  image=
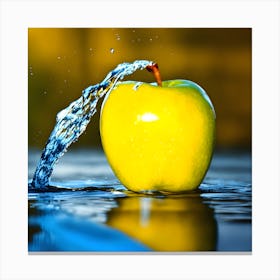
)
(262, 16)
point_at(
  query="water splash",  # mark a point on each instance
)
(72, 121)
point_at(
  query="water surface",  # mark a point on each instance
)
(92, 212)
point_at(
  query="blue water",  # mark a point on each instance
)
(88, 210)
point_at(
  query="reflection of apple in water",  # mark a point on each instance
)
(169, 224)
(158, 138)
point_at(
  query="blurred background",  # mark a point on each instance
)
(64, 61)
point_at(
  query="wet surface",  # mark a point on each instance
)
(88, 210)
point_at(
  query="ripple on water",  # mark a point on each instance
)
(84, 187)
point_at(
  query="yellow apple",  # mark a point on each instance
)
(158, 137)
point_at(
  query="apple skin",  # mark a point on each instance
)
(158, 138)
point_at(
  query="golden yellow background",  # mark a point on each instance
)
(64, 61)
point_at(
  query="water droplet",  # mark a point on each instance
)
(137, 85)
(112, 50)
(30, 71)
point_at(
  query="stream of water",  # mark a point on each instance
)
(72, 121)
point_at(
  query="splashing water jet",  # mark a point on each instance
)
(72, 121)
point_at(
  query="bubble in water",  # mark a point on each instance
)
(118, 37)
(112, 50)
(59, 57)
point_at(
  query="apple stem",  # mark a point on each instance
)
(155, 70)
